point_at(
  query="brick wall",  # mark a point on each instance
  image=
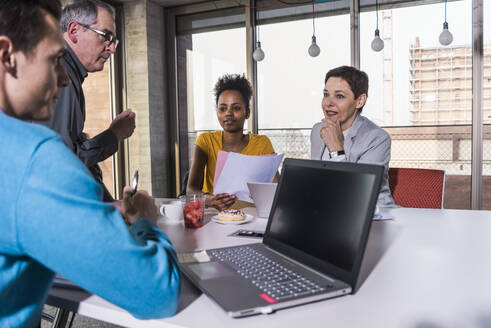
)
(135, 17)
(149, 149)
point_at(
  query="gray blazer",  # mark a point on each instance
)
(364, 142)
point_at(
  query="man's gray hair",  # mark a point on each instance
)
(83, 12)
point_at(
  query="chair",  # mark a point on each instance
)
(184, 184)
(420, 188)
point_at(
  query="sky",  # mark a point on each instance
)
(290, 82)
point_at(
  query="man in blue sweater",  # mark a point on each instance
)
(52, 218)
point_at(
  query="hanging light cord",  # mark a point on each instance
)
(296, 3)
(275, 4)
(313, 17)
(376, 11)
(257, 26)
(445, 11)
(239, 3)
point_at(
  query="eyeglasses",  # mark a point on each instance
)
(109, 38)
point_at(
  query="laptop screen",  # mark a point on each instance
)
(322, 208)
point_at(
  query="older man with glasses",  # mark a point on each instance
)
(89, 31)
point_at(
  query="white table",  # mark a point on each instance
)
(427, 268)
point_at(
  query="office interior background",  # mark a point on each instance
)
(434, 100)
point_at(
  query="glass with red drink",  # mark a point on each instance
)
(194, 211)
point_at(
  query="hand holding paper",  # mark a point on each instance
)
(234, 170)
(221, 201)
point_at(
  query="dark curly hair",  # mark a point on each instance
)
(236, 82)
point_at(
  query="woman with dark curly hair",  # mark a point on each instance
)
(232, 96)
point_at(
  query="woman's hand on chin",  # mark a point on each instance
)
(332, 135)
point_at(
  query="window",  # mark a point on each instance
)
(413, 86)
(205, 57)
(290, 82)
(420, 92)
(486, 107)
(98, 115)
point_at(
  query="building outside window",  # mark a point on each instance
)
(421, 91)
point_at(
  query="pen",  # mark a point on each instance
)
(134, 183)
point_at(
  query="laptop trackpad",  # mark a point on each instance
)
(211, 270)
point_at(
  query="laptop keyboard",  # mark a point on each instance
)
(272, 278)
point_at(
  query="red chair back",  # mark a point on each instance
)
(420, 188)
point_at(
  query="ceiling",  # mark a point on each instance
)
(172, 3)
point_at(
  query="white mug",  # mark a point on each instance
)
(172, 210)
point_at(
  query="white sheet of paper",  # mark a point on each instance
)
(381, 214)
(193, 257)
(240, 169)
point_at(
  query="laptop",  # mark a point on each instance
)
(312, 248)
(262, 193)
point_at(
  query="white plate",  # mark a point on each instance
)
(247, 218)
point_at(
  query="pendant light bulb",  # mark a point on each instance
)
(314, 49)
(445, 37)
(258, 53)
(377, 43)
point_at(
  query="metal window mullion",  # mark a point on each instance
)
(171, 43)
(477, 91)
(251, 63)
(355, 32)
(118, 101)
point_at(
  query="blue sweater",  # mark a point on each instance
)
(52, 220)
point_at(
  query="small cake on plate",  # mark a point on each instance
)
(231, 216)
